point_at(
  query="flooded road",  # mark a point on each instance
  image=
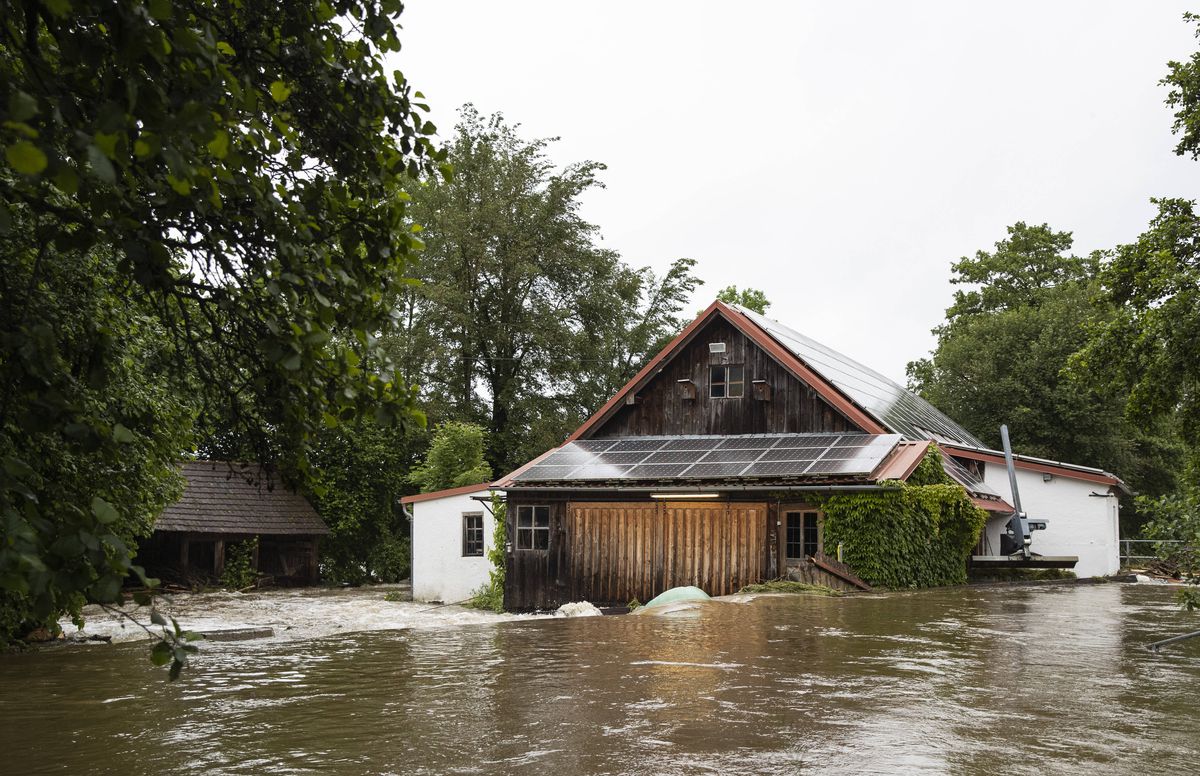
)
(1028, 680)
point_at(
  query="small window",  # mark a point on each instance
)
(726, 382)
(473, 535)
(803, 538)
(533, 528)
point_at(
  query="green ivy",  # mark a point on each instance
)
(491, 595)
(239, 572)
(917, 533)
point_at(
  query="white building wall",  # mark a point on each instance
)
(439, 570)
(1078, 523)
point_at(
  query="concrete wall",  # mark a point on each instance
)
(440, 572)
(1078, 522)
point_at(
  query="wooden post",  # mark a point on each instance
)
(183, 553)
(219, 557)
(254, 556)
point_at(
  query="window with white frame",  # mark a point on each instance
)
(726, 382)
(533, 528)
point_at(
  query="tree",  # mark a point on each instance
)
(238, 162)
(521, 319)
(1150, 347)
(363, 471)
(1003, 354)
(750, 298)
(454, 459)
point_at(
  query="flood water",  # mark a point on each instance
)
(1022, 680)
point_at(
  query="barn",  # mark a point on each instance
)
(710, 467)
(225, 504)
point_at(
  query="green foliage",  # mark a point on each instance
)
(454, 459)
(394, 597)
(227, 171)
(239, 572)
(522, 324)
(634, 605)
(750, 298)
(1149, 346)
(1184, 98)
(915, 534)
(491, 595)
(1175, 517)
(1007, 354)
(363, 473)
(788, 586)
(1189, 599)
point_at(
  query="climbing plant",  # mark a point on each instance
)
(909, 534)
(491, 595)
(239, 572)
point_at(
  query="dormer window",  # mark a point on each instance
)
(726, 382)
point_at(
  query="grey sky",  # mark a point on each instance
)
(836, 155)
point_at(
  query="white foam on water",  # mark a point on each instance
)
(297, 614)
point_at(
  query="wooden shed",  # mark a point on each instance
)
(224, 503)
(704, 469)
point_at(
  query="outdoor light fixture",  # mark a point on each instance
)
(685, 495)
(1047, 476)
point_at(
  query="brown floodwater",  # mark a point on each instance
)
(1023, 680)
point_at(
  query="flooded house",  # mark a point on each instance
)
(452, 533)
(223, 505)
(710, 466)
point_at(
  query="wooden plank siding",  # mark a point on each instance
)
(613, 552)
(662, 408)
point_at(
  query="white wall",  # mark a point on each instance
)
(1078, 523)
(440, 572)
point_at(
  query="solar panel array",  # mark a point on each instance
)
(898, 409)
(963, 476)
(714, 457)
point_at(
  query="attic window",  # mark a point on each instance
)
(726, 382)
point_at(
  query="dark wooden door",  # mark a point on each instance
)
(621, 551)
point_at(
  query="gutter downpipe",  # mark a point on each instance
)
(411, 517)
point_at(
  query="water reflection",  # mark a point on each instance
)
(1020, 680)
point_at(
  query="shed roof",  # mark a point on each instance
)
(417, 498)
(237, 498)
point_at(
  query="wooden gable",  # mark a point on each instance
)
(676, 399)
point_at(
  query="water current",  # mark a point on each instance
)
(1011, 680)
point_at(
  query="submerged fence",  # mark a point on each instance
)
(1148, 549)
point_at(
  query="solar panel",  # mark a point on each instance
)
(792, 454)
(638, 444)
(593, 445)
(712, 457)
(808, 440)
(748, 443)
(725, 456)
(542, 472)
(690, 443)
(657, 470)
(838, 466)
(715, 470)
(899, 410)
(622, 458)
(777, 469)
(600, 472)
(674, 456)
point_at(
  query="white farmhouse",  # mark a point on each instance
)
(451, 536)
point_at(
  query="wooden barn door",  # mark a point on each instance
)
(621, 551)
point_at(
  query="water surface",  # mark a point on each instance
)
(1027, 680)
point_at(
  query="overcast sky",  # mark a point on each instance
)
(837, 155)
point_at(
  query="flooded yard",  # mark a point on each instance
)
(1022, 680)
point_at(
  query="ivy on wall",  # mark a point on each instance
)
(491, 594)
(917, 533)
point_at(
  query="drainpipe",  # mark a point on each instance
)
(409, 515)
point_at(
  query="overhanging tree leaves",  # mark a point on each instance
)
(240, 162)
